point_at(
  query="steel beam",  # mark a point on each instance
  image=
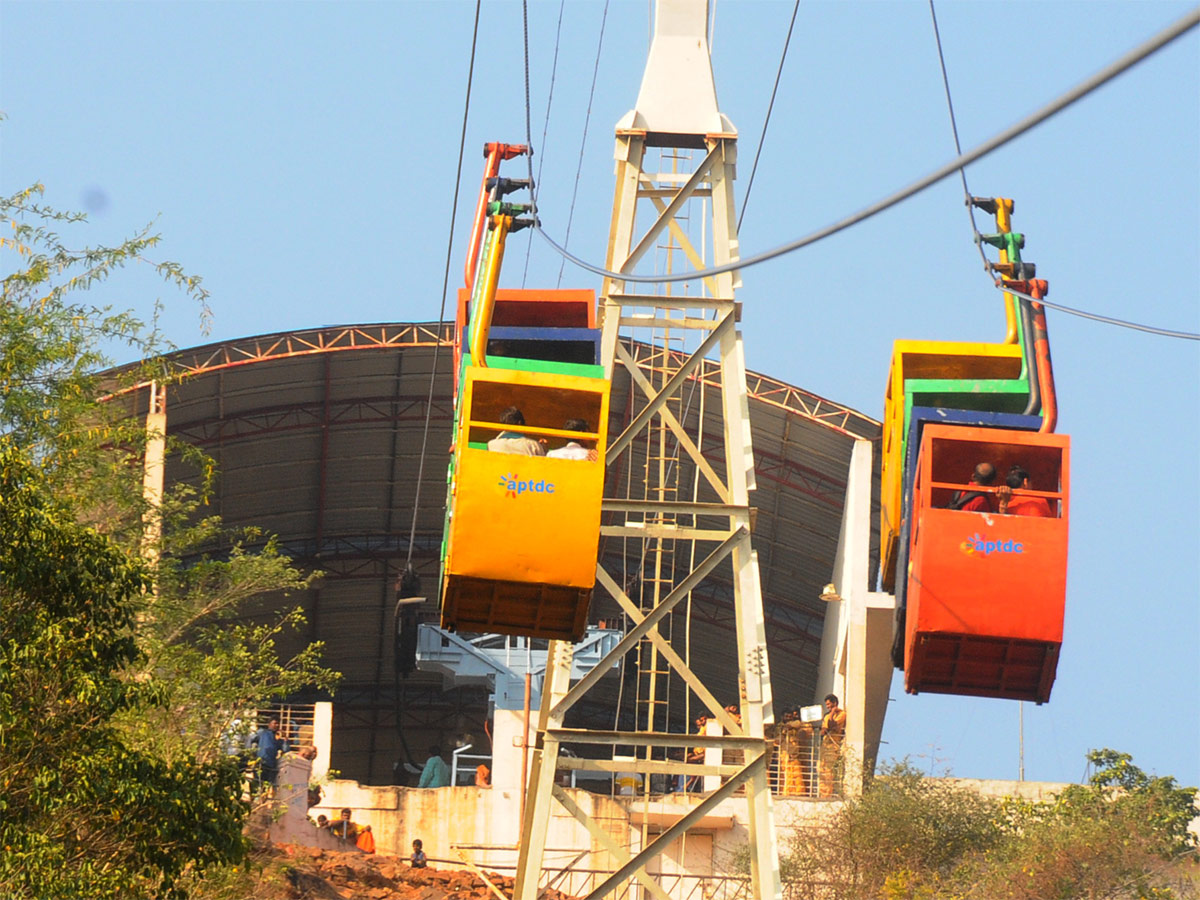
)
(651, 511)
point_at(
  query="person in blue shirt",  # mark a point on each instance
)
(269, 748)
(436, 773)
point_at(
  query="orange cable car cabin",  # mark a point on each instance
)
(986, 592)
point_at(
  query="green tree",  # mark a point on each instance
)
(1124, 833)
(213, 667)
(905, 835)
(82, 812)
(180, 665)
(54, 343)
(909, 837)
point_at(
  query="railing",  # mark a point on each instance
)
(677, 885)
(796, 767)
(296, 722)
(460, 764)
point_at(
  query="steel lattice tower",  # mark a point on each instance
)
(675, 161)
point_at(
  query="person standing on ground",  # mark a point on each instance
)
(344, 829)
(436, 773)
(833, 733)
(269, 747)
(419, 860)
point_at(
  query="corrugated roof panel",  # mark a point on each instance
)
(323, 449)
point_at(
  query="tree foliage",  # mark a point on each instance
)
(54, 342)
(905, 827)
(215, 667)
(1122, 835)
(82, 811)
(123, 673)
(1120, 832)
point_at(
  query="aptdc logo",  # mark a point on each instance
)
(984, 547)
(513, 486)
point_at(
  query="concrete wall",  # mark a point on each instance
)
(482, 825)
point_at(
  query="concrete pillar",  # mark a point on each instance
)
(508, 730)
(290, 823)
(713, 756)
(154, 472)
(855, 658)
(322, 738)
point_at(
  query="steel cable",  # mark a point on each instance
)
(545, 127)
(462, 145)
(962, 171)
(582, 142)
(762, 138)
(1105, 75)
(1107, 320)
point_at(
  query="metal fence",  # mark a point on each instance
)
(678, 885)
(798, 764)
(295, 722)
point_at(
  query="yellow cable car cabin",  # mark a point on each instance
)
(523, 531)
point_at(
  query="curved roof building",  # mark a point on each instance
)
(318, 439)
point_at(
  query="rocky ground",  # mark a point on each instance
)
(312, 874)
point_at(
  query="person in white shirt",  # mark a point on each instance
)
(514, 441)
(573, 449)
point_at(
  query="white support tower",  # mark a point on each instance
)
(675, 163)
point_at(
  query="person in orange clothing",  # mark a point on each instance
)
(366, 841)
(976, 501)
(1018, 480)
(344, 829)
(696, 757)
(794, 742)
(833, 733)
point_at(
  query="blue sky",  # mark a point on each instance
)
(301, 157)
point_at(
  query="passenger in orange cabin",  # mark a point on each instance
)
(1018, 480)
(977, 501)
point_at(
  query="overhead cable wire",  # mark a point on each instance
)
(462, 145)
(978, 238)
(962, 170)
(533, 205)
(1105, 75)
(762, 138)
(583, 141)
(545, 127)
(1108, 320)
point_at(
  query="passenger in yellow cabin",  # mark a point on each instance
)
(514, 441)
(574, 449)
